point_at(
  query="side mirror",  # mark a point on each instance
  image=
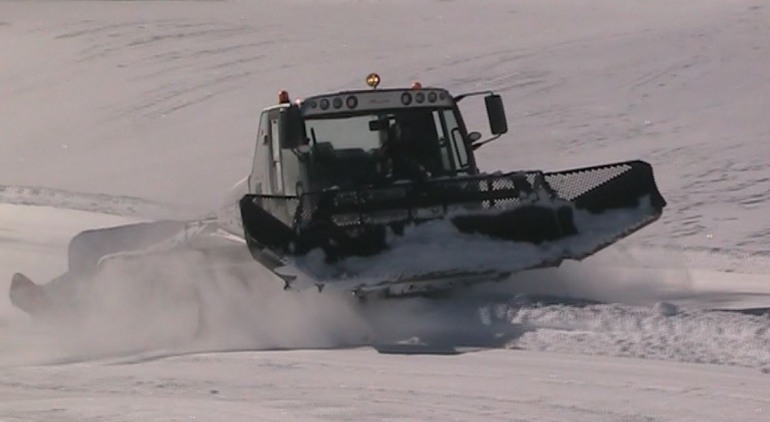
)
(496, 113)
(292, 127)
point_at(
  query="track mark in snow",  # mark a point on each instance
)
(724, 338)
(93, 202)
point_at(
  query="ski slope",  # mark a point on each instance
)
(117, 112)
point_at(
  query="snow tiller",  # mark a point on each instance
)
(378, 190)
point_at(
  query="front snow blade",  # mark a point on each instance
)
(503, 223)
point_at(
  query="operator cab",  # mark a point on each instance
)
(355, 139)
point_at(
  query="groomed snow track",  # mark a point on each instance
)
(126, 206)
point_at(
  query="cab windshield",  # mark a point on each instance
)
(399, 144)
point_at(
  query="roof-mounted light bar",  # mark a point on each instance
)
(374, 100)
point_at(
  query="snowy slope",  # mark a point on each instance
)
(355, 385)
(158, 100)
(114, 369)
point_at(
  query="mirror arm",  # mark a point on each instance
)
(486, 141)
(471, 94)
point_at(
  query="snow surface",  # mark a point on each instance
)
(104, 102)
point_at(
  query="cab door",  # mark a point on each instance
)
(260, 166)
(282, 168)
(267, 172)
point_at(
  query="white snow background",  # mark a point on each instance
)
(105, 101)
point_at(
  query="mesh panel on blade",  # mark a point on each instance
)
(571, 184)
(284, 208)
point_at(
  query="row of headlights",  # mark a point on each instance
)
(419, 97)
(351, 102)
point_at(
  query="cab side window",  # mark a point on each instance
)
(276, 171)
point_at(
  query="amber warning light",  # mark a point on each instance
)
(373, 80)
